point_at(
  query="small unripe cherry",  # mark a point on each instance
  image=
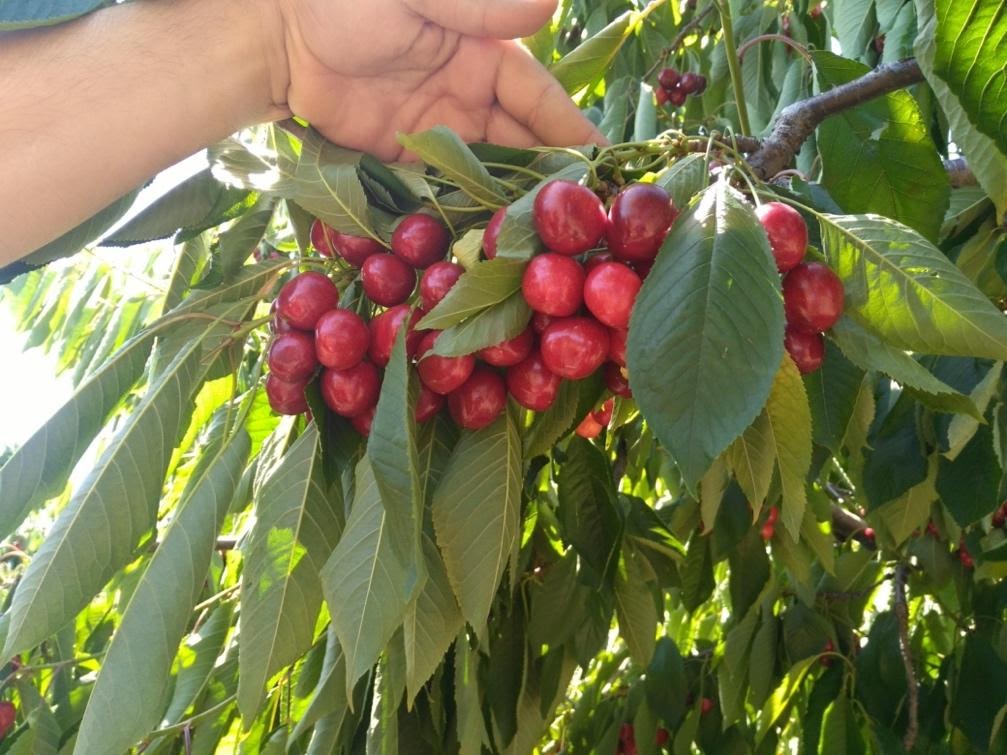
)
(351, 392)
(532, 384)
(286, 396)
(574, 347)
(610, 291)
(292, 356)
(510, 352)
(479, 400)
(420, 240)
(437, 280)
(387, 280)
(569, 218)
(812, 297)
(638, 221)
(787, 232)
(492, 233)
(806, 349)
(341, 339)
(305, 298)
(442, 374)
(553, 284)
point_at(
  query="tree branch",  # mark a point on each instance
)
(902, 614)
(798, 121)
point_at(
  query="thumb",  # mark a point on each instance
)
(498, 19)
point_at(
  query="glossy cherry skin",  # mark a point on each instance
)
(617, 346)
(492, 233)
(787, 232)
(553, 284)
(806, 349)
(387, 280)
(597, 259)
(532, 384)
(574, 347)
(479, 400)
(540, 321)
(510, 352)
(277, 324)
(362, 422)
(292, 356)
(286, 396)
(428, 404)
(437, 280)
(442, 374)
(615, 380)
(689, 82)
(569, 218)
(668, 78)
(351, 392)
(341, 339)
(610, 291)
(603, 414)
(384, 329)
(639, 219)
(305, 298)
(331, 243)
(812, 297)
(589, 427)
(420, 240)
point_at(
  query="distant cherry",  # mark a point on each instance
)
(569, 218)
(689, 82)
(787, 232)
(479, 400)
(305, 298)
(639, 219)
(292, 355)
(553, 284)
(442, 374)
(532, 384)
(420, 240)
(812, 297)
(574, 347)
(387, 280)
(437, 280)
(341, 339)
(668, 78)
(492, 233)
(286, 396)
(510, 352)
(706, 706)
(351, 392)
(610, 291)
(806, 349)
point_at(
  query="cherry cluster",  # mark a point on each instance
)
(812, 293)
(627, 739)
(673, 87)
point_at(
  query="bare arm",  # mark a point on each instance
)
(92, 108)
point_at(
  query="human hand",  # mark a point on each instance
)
(363, 70)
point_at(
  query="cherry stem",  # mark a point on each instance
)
(797, 47)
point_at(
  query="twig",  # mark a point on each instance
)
(959, 173)
(797, 47)
(733, 65)
(684, 32)
(798, 121)
(902, 614)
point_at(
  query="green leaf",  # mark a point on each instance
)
(789, 425)
(684, 178)
(635, 608)
(196, 661)
(327, 186)
(365, 584)
(762, 661)
(486, 284)
(855, 22)
(589, 61)
(782, 696)
(468, 249)
(26, 14)
(432, 622)
(518, 239)
(878, 157)
(488, 327)
(911, 511)
(969, 486)
(616, 110)
(468, 699)
(476, 514)
(329, 698)
(389, 684)
(236, 244)
(574, 400)
(903, 289)
(443, 149)
(706, 337)
(752, 459)
(127, 699)
(969, 57)
(296, 527)
(832, 394)
(980, 691)
(116, 504)
(697, 572)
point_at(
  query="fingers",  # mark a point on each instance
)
(502, 129)
(533, 98)
(499, 19)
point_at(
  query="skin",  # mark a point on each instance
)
(94, 107)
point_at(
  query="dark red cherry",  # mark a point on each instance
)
(639, 219)
(812, 297)
(292, 356)
(806, 349)
(492, 233)
(610, 292)
(331, 243)
(509, 352)
(351, 392)
(286, 396)
(532, 384)
(387, 280)
(787, 232)
(420, 240)
(479, 400)
(341, 339)
(384, 329)
(569, 218)
(553, 284)
(428, 404)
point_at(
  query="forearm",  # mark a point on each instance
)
(92, 108)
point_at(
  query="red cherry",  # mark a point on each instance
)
(689, 82)
(661, 96)
(442, 374)
(815, 11)
(662, 737)
(787, 232)
(492, 233)
(553, 284)
(479, 400)
(597, 259)
(286, 396)
(806, 349)
(540, 321)
(617, 346)
(668, 78)
(532, 384)
(812, 297)
(773, 516)
(362, 422)
(509, 352)
(341, 339)
(569, 218)
(589, 427)
(965, 557)
(387, 280)
(385, 328)
(603, 414)
(292, 356)
(437, 280)
(610, 291)
(428, 404)
(616, 381)
(305, 298)
(700, 84)
(639, 219)
(420, 240)
(706, 706)
(767, 531)
(8, 716)
(626, 733)
(351, 392)
(677, 96)
(331, 243)
(869, 534)
(1000, 516)
(826, 660)
(575, 347)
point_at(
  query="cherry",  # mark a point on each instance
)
(479, 400)
(965, 557)
(437, 280)
(589, 427)
(385, 328)
(8, 715)
(774, 515)
(603, 414)
(428, 404)
(689, 82)
(806, 349)
(305, 298)
(617, 346)
(286, 396)
(706, 706)
(292, 355)
(767, 531)
(615, 380)
(574, 347)
(597, 259)
(532, 384)
(932, 530)
(569, 218)
(1000, 515)
(351, 392)
(826, 660)
(420, 240)
(700, 84)
(553, 284)
(341, 339)
(510, 352)
(492, 233)
(610, 291)
(331, 243)
(812, 297)
(362, 422)
(677, 96)
(387, 280)
(540, 321)
(442, 374)
(278, 324)
(639, 219)
(787, 232)
(668, 78)
(662, 737)
(662, 96)
(869, 534)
